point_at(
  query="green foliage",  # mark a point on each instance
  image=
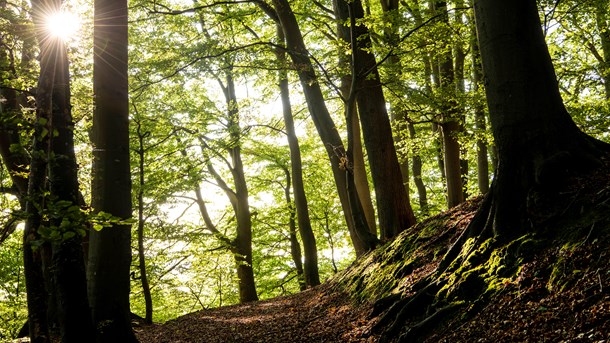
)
(13, 308)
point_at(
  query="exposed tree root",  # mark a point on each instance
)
(501, 233)
(429, 323)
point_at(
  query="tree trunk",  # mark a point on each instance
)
(450, 121)
(295, 246)
(243, 239)
(110, 248)
(417, 176)
(68, 264)
(32, 258)
(65, 222)
(538, 143)
(394, 210)
(141, 222)
(312, 276)
(353, 131)
(460, 88)
(362, 239)
(479, 114)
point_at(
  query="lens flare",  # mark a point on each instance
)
(63, 25)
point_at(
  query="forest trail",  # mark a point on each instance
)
(526, 312)
(315, 315)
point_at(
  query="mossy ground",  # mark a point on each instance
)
(558, 272)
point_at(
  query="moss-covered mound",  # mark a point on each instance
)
(550, 285)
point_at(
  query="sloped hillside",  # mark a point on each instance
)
(557, 291)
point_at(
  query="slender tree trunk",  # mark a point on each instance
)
(394, 210)
(110, 249)
(243, 239)
(417, 176)
(361, 237)
(295, 247)
(141, 222)
(460, 88)
(353, 131)
(312, 277)
(450, 125)
(479, 114)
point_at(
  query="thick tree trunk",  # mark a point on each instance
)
(362, 239)
(68, 266)
(37, 295)
(394, 210)
(312, 276)
(110, 249)
(538, 143)
(67, 270)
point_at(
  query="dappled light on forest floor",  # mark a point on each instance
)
(316, 315)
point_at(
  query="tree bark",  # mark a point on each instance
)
(312, 276)
(141, 223)
(417, 176)
(362, 239)
(479, 114)
(538, 143)
(295, 246)
(353, 131)
(243, 239)
(110, 249)
(65, 225)
(393, 207)
(450, 121)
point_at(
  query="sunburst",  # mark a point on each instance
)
(63, 25)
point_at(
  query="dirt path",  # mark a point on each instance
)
(316, 315)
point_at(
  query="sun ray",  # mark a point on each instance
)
(63, 25)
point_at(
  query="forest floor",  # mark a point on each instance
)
(560, 294)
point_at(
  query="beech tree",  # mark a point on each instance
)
(312, 277)
(340, 158)
(539, 147)
(394, 210)
(110, 247)
(56, 283)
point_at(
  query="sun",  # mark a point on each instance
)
(63, 25)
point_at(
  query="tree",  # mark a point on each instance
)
(339, 157)
(450, 121)
(539, 147)
(110, 248)
(312, 277)
(394, 210)
(54, 220)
